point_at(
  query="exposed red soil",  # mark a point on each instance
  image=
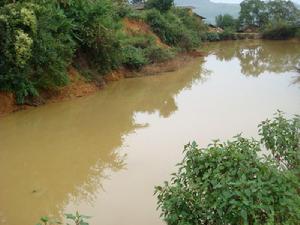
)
(139, 27)
(78, 87)
(116, 75)
(7, 103)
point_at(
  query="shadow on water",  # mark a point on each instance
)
(63, 151)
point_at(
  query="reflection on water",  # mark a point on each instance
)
(64, 151)
(103, 154)
(255, 58)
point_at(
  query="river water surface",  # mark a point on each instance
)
(103, 154)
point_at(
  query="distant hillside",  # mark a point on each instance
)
(210, 9)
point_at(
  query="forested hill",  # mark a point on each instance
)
(210, 9)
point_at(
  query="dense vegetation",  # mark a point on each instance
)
(40, 39)
(230, 183)
(274, 19)
(177, 28)
(226, 21)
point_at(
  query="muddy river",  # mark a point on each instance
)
(103, 154)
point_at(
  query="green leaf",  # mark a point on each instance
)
(70, 216)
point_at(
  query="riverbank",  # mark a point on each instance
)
(79, 86)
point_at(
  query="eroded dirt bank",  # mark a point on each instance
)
(80, 86)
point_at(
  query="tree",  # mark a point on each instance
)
(280, 10)
(261, 14)
(161, 5)
(226, 22)
(229, 183)
(253, 13)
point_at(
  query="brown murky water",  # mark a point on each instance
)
(103, 154)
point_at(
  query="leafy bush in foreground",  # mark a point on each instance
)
(282, 137)
(228, 183)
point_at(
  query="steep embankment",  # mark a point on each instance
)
(133, 27)
(79, 86)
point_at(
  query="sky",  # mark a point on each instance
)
(238, 1)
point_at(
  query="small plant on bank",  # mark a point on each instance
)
(229, 183)
(134, 58)
(228, 34)
(157, 54)
(213, 36)
(76, 218)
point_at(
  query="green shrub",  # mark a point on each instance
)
(161, 5)
(35, 47)
(172, 30)
(228, 34)
(155, 54)
(134, 58)
(137, 15)
(297, 34)
(229, 183)
(212, 36)
(96, 27)
(77, 219)
(160, 26)
(279, 31)
(282, 137)
(123, 9)
(141, 49)
(139, 40)
(193, 24)
(226, 21)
